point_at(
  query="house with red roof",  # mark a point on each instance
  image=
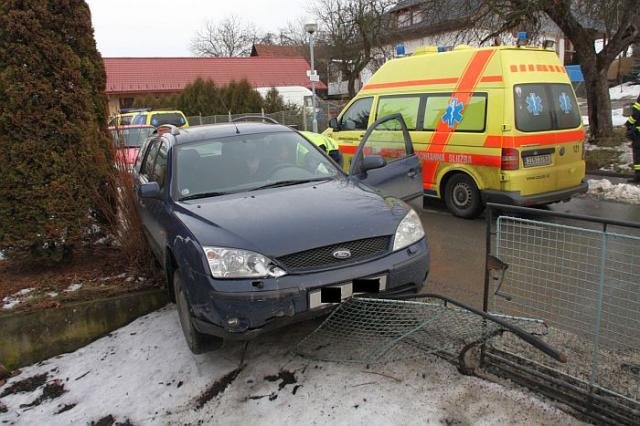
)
(131, 77)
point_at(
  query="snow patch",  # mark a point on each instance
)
(73, 287)
(623, 192)
(617, 117)
(144, 372)
(624, 91)
(15, 299)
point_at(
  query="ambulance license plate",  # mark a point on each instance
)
(537, 160)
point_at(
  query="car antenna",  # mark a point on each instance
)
(224, 104)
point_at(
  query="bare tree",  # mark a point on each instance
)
(354, 30)
(228, 37)
(620, 24)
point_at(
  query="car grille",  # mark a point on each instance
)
(322, 257)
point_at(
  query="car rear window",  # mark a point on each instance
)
(174, 118)
(542, 107)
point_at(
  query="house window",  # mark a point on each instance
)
(125, 102)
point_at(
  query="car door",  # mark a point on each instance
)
(396, 169)
(145, 205)
(158, 209)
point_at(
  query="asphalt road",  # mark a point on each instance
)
(458, 245)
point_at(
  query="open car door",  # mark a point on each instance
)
(385, 159)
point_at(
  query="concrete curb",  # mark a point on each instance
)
(30, 337)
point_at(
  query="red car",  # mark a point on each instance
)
(128, 140)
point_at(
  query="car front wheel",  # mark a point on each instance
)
(198, 343)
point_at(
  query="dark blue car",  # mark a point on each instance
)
(256, 227)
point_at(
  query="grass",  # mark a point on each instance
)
(598, 158)
(618, 138)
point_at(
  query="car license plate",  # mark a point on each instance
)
(537, 160)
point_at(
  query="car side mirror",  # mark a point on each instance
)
(150, 190)
(333, 123)
(373, 162)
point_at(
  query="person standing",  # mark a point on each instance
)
(633, 134)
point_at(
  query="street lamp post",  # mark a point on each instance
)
(311, 28)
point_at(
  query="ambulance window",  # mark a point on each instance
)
(533, 109)
(450, 110)
(566, 108)
(406, 105)
(357, 116)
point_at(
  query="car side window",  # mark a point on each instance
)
(386, 140)
(160, 165)
(408, 106)
(357, 116)
(148, 162)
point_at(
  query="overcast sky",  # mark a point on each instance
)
(165, 28)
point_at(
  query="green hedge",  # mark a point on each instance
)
(55, 153)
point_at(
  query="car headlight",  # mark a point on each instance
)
(236, 263)
(409, 231)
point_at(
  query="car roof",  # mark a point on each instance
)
(223, 130)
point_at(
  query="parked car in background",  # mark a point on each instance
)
(150, 117)
(129, 140)
(256, 227)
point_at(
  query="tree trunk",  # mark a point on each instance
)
(599, 104)
(598, 101)
(351, 85)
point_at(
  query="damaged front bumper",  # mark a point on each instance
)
(275, 302)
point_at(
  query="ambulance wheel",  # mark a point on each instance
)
(462, 197)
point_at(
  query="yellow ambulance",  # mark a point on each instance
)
(497, 124)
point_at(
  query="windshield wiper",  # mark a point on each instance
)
(290, 182)
(202, 195)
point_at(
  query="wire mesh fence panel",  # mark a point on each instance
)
(372, 330)
(585, 284)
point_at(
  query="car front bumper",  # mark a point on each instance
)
(243, 315)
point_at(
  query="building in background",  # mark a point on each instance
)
(131, 77)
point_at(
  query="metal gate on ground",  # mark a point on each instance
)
(581, 276)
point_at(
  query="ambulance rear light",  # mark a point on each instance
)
(510, 159)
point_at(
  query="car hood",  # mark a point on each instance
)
(290, 219)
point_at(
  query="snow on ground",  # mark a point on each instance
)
(73, 287)
(624, 192)
(15, 299)
(624, 91)
(144, 373)
(617, 117)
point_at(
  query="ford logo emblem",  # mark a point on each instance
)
(341, 253)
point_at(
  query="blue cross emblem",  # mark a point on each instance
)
(534, 104)
(453, 114)
(565, 103)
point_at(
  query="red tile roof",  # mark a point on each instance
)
(276, 50)
(140, 75)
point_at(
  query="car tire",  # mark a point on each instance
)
(462, 197)
(198, 342)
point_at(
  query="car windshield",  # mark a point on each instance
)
(248, 162)
(130, 137)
